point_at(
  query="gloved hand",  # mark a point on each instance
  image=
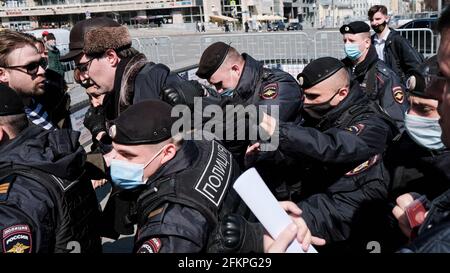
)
(182, 92)
(94, 120)
(236, 235)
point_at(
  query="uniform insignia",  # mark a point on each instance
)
(214, 182)
(347, 28)
(4, 187)
(399, 96)
(17, 239)
(151, 246)
(300, 81)
(363, 166)
(356, 129)
(270, 91)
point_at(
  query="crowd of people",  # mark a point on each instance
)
(360, 152)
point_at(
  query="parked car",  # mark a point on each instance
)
(421, 39)
(295, 26)
(275, 26)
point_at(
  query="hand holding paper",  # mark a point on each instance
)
(266, 208)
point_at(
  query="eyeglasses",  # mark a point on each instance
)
(31, 68)
(84, 67)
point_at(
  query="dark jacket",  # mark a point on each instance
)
(414, 168)
(49, 222)
(193, 192)
(136, 80)
(340, 164)
(382, 85)
(400, 55)
(262, 86)
(434, 233)
(53, 60)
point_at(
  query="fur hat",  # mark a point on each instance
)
(98, 40)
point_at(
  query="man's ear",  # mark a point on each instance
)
(236, 69)
(343, 92)
(4, 75)
(168, 153)
(112, 57)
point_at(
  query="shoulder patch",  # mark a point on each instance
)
(215, 179)
(356, 129)
(17, 239)
(363, 166)
(399, 95)
(150, 246)
(270, 91)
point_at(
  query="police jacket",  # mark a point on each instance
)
(46, 204)
(262, 86)
(400, 55)
(341, 163)
(381, 85)
(415, 168)
(433, 235)
(179, 208)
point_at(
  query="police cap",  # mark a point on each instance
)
(147, 122)
(355, 27)
(318, 70)
(212, 58)
(10, 102)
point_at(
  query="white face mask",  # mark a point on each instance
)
(424, 131)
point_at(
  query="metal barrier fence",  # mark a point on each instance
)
(422, 39)
(285, 50)
(288, 48)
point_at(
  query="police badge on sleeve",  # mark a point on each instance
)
(17, 239)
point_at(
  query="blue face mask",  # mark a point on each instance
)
(127, 175)
(424, 131)
(352, 51)
(227, 92)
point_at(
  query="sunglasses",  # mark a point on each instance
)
(84, 67)
(31, 68)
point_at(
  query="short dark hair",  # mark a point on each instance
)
(51, 36)
(375, 9)
(17, 123)
(444, 19)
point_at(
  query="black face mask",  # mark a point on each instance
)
(379, 28)
(318, 110)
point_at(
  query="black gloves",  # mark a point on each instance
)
(182, 92)
(236, 235)
(94, 120)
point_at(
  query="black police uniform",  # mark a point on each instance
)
(400, 56)
(46, 204)
(257, 86)
(339, 157)
(180, 206)
(377, 80)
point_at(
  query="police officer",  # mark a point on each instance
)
(419, 160)
(338, 150)
(182, 188)
(240, 79)
(375, 78)
(46, 203)
(244, 79)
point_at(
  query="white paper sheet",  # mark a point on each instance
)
(266, 208)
